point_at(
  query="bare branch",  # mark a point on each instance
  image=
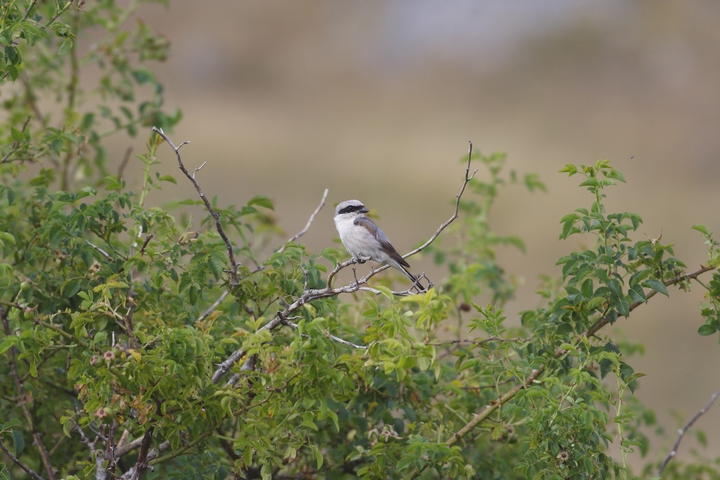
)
(301, 232)
(337, 268)
(332, 337)
(468, 176)
(123, 164)
(20, 464)
(122, 450)
(142, 461)
(100, 251)
(309, 222)
(239, 353)
(100, 472)
(473, 342)
(151, 459)
(213, 306)
(216, 216)
(128, 447)
(684, 429)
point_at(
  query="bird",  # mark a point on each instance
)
(364, 240)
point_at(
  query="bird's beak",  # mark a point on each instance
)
(364, 210)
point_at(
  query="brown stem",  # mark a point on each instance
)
(142, 462)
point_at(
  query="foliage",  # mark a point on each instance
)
(121, 325)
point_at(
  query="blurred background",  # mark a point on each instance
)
(377, 101)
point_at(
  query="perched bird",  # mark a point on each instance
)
(364, 240)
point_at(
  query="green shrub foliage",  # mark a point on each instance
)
(136, 345)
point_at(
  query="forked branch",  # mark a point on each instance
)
(216, 216)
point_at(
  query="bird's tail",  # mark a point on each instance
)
(415, 281)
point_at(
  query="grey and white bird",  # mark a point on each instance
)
(364, 240)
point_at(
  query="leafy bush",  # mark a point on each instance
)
(136, 345)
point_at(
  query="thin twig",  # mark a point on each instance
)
(329, 335)
(145, 243)
(302, 232)
(309, 222)
(216, 216)
(213, 306)
(100, 251)
(123, 164)
(20, 464)
(684, 429)
(468, 176)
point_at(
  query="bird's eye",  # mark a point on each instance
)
(351, 208)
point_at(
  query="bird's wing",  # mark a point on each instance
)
(385, 244)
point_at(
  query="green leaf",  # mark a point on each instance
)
(404, 463)
(192, 295)
(701, 228)
(657, 285)
(215, 267)
(309, 421)
(18, 442)
(65, 46)
(616, 175)
(706, 330)
(262, 201)
(333, 416)
(167, 178)
(12, 423)
(9, 342)
(570, 169)
(87, 121)
(318, 456)
(142, 75)
(17, 135)
(7, 237)
(13, 72)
